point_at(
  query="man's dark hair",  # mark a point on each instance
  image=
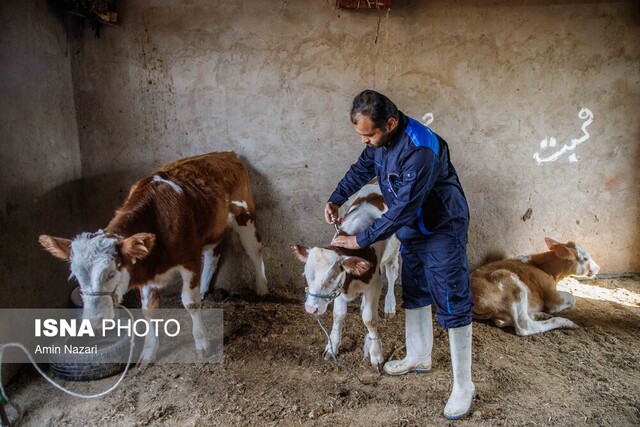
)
(374, 105)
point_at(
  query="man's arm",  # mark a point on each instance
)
(359, 174)
(419, 171)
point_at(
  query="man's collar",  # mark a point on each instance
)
(398, 131)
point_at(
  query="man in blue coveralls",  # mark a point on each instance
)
(429, 214)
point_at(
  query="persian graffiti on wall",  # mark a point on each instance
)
(550, 142)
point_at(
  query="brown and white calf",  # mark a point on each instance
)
(518, 292)
(341, 275)
(170, 224)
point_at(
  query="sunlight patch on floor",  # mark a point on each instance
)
(592, 291)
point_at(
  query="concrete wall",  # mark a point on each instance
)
(39, 155)
(40, 169)
(274, 80)
(80, 121)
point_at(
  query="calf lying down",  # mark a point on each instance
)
(341, 275)
(519, 292)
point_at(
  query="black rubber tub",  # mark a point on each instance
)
(92, 366)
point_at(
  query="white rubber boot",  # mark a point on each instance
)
(464, 391)
(419, 342)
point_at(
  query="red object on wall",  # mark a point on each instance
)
(363, 4)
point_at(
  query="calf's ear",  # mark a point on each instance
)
(301, 252)
(561, 251)
(356, 265)
(551, 243)
(138, 246)
(56, 246)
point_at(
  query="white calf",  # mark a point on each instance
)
(340, 275)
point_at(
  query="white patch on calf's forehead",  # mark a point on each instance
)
(91, 253)
(87, 248)
(176, 187)
(321, 255)
(319, 262)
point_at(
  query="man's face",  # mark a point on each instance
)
(371, 135)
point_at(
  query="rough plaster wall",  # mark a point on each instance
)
(274, 80)
(39, 155)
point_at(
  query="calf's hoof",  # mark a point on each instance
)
(262, 289)
(388, 314)
(329, 353)
(205, 352)
(144, 363)
(372, 350)
(568, 324)
(147, 355)
(377, 362)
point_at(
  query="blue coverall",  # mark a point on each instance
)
(428, 212)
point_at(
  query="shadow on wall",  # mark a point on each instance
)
(30, 277)
(276, 232)
(488, 226)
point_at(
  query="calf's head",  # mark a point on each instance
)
(326, 272)
(101, 262)
(578, 261)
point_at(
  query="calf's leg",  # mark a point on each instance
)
(245, 226)
(150, 298)
(391, 266)
(522, 321)
(391, 272)
(563, 301)
(210, 258)
(192, 302)
(339, 313)
(372, 342)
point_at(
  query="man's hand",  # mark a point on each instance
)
(348, 242)
(331, 211)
